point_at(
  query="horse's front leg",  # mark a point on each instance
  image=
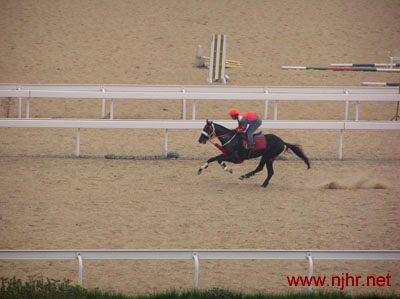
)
(220, 159)
(205, 165)
(224, 167)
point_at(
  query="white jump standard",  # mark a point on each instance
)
(216, 69)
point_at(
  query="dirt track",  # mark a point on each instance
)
(120, 204)
(113, 204)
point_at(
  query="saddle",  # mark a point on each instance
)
(259, 141)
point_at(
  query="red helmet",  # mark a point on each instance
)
(233, 111)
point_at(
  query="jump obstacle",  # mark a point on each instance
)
(217, 61)
(380, 84)
(228, 62)
(360, 69)
(393, 56)
(216, 68)
(366, 64)
(203, 61)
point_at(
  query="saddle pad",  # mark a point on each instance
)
(259, 142)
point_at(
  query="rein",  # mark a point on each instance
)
(213, 136)
(229, 139)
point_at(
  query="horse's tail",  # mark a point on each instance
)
(299, 152)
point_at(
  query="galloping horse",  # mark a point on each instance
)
(234, 151)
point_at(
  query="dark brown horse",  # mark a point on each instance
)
(234, 151)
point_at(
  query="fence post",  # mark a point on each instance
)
(310, 270)
(80, 262)
(166, 143)
(19, 105)
(266, 106)
(341, 144)
(194, 110)
(111, 109)
(346, 109)
(275, 110)
(196, 270)
(78, 141)
(356, 116)
(183, 105)
(103, 104)
(28, 108)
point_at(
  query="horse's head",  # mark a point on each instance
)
(207, 133)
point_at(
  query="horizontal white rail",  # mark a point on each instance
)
(202, 96)
(199, 88)
(14, 93)
(371, 125)
(196, 255)
(173, 95)
(206, 254)
(194, 124)
(242, 93)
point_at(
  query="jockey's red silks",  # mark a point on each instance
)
(225, 153)
(251, 116)
(246, 119)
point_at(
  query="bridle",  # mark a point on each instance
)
(212, 135)
(211, 132)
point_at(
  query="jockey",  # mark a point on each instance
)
(248, 123)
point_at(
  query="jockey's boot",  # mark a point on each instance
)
(250, 148)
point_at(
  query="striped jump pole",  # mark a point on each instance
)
(366, 64)
(216, 68)
(354, 69)
(380, 84)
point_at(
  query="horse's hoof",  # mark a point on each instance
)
(198, 171)
(242, 177)
(230, 171)
(264, 186)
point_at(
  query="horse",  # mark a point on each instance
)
(233, 150)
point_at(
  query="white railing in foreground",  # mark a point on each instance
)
(265, 93)
(200, 254)
(195, 124)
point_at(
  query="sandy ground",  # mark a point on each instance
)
(114, 204)
(120, 204)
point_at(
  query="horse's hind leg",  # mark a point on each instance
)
(270, 170)
(251, 173)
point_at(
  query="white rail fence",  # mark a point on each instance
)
(195, 124)
(197, 255)
(195, 93)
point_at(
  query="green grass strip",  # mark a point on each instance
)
(55, 289)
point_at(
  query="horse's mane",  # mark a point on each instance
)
(222, 127)
(233, 130)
